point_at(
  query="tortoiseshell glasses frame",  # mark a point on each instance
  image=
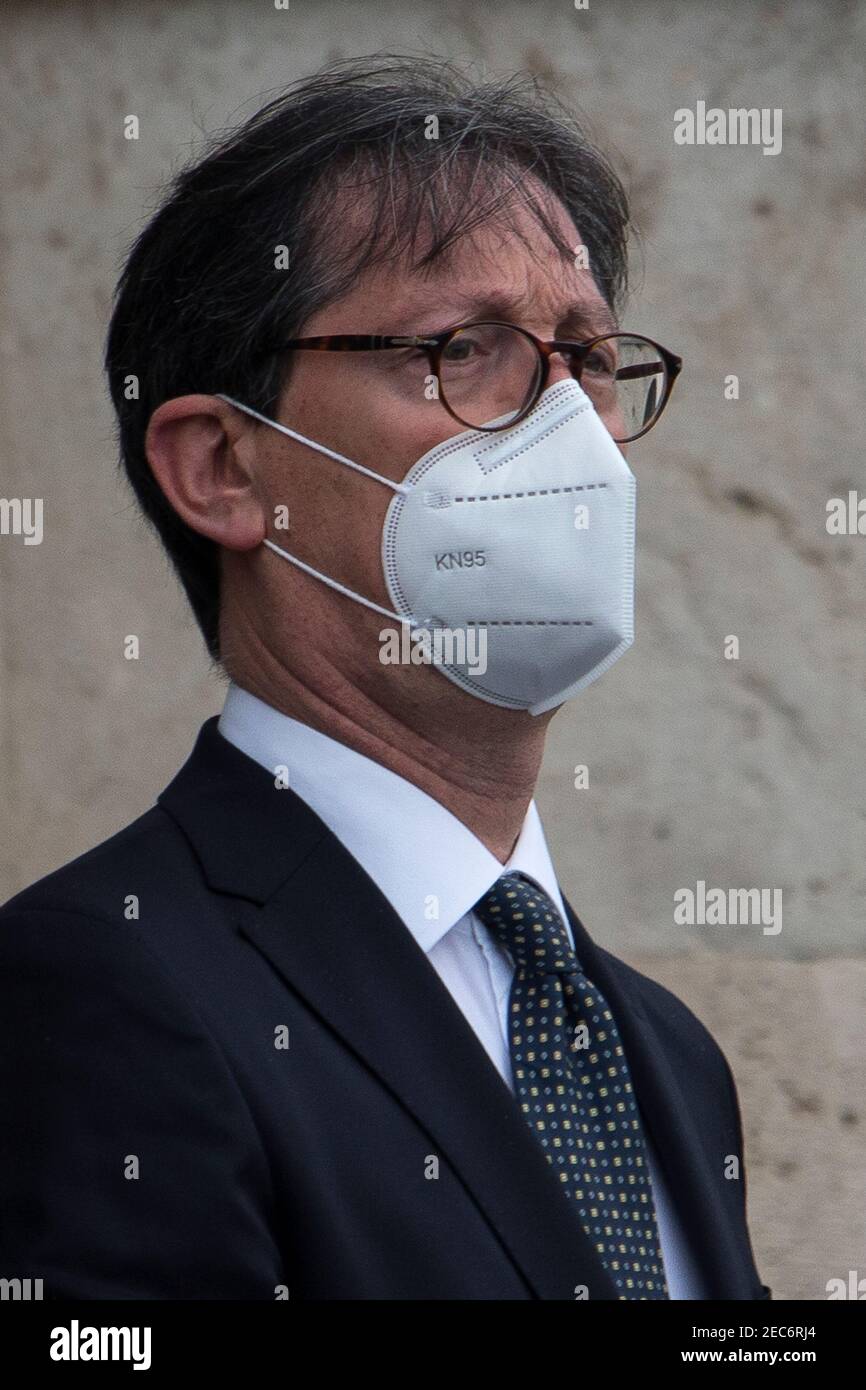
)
(435, 344)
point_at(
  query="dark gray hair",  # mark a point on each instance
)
(199, 296)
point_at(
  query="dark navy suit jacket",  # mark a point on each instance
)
(160, 1139)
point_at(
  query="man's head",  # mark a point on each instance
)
(378, 197)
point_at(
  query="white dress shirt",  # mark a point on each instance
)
(432, 870)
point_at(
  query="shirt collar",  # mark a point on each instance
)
(426, 862)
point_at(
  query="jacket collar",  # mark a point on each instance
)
(249, 835)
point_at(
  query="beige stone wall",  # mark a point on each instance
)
(744, 773)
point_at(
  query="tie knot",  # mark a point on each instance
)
(523, 918)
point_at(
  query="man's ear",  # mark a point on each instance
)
(201, 455)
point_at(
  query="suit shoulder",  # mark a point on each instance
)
(98, 883)
(77, 962)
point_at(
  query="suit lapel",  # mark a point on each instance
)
(670, 1119)
(340, 945)
(335, 939)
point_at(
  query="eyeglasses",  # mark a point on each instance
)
(489, 374)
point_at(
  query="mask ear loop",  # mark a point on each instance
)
(341, 589)
(350, 463)
(311, 443)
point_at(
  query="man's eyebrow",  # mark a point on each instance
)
(592, 319)
(588, 319)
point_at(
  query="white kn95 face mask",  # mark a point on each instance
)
(527, 533)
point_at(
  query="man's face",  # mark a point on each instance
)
(373, 406)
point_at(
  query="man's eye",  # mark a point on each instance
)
(600, 364)
(462, 349)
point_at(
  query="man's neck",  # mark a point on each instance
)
(482, 767)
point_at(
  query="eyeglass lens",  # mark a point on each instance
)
(491, 372)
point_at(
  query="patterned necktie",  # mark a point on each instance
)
(572, 1080)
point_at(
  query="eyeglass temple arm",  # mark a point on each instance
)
(639, 369)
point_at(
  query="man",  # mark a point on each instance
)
(320, 1024)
